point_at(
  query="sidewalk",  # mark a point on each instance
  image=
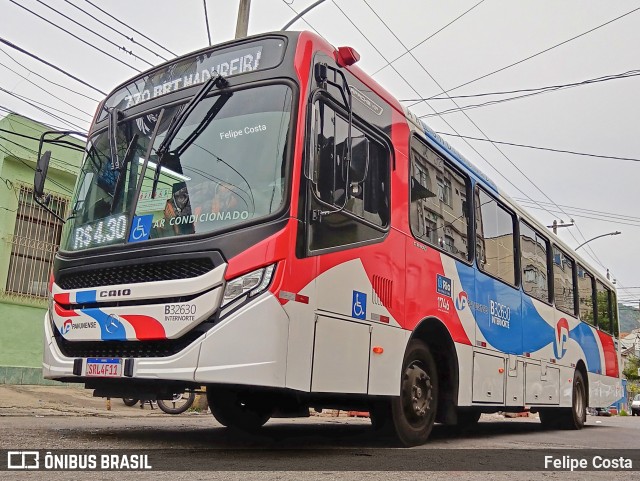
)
(40, 401)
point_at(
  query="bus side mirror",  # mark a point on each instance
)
(41, 173)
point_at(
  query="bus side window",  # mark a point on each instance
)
(615, 327)
(585, 296)
(352, 196)
(563, 287)
(367, 193)
(495, 238)
(439, 211)
(603, 314)
(534, 248)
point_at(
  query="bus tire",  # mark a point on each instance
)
(241, 410)
(413, 413)
(576, 416)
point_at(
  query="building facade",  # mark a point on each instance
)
(29, 237)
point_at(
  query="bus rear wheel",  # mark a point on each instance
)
(243, 410)
(568, 418)
(413, 413)
(576, 416)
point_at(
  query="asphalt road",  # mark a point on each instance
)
(327, 442)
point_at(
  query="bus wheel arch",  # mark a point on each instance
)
(437, 338)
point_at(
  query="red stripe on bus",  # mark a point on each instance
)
(146, 328)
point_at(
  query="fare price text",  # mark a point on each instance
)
(569, 463)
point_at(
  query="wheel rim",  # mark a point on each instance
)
(417, 395)
(579, 400)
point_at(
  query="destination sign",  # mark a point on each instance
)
(194, 70)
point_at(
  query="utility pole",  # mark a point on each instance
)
(242, 26)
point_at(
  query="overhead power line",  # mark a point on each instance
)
(110, 42)
(48, 124)
(19, 49)
(131, 39)
(541, 91)
(25, 98)
(470, 120)
(502, 69)
(51, 114)
(604, 78)
(577, 214)
(75, 167)
(590, 211)
(75, 36)
(416, 92)
(572, 152)
(45, 90)
(46, 79)
(428, 38)
(130, 28)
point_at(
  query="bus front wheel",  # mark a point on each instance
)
(243, 410)
(413, 413)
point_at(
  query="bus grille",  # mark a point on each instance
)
(137, 273)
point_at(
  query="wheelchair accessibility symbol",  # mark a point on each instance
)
(140, 228)
(359, 305)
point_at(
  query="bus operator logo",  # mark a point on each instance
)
(66, 327)
(462, 301)
(562, 336)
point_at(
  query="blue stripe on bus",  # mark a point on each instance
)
(111, 329)
(583, 335)
(85, 297)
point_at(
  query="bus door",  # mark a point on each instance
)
(347, 217)
(498, 305)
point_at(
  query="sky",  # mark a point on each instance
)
(531, 43)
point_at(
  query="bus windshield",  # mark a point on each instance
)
(226, 166)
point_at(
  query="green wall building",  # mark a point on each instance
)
(29, 237)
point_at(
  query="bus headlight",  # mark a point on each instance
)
(248, 285)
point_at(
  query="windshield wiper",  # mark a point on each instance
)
(181, 117)
(112, 133)
(122, 171)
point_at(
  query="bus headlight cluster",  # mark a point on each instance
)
(248, 285)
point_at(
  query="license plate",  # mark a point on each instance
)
(103, 367)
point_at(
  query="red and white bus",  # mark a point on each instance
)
(262, 218)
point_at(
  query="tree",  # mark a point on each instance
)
(631, 371)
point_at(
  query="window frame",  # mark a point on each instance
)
(307, 186)
(610, 308)
(516, 233)
(469, 260)
(593, 295)
(549, 300)
(576, 310)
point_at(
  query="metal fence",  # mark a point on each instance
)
(33, 245)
